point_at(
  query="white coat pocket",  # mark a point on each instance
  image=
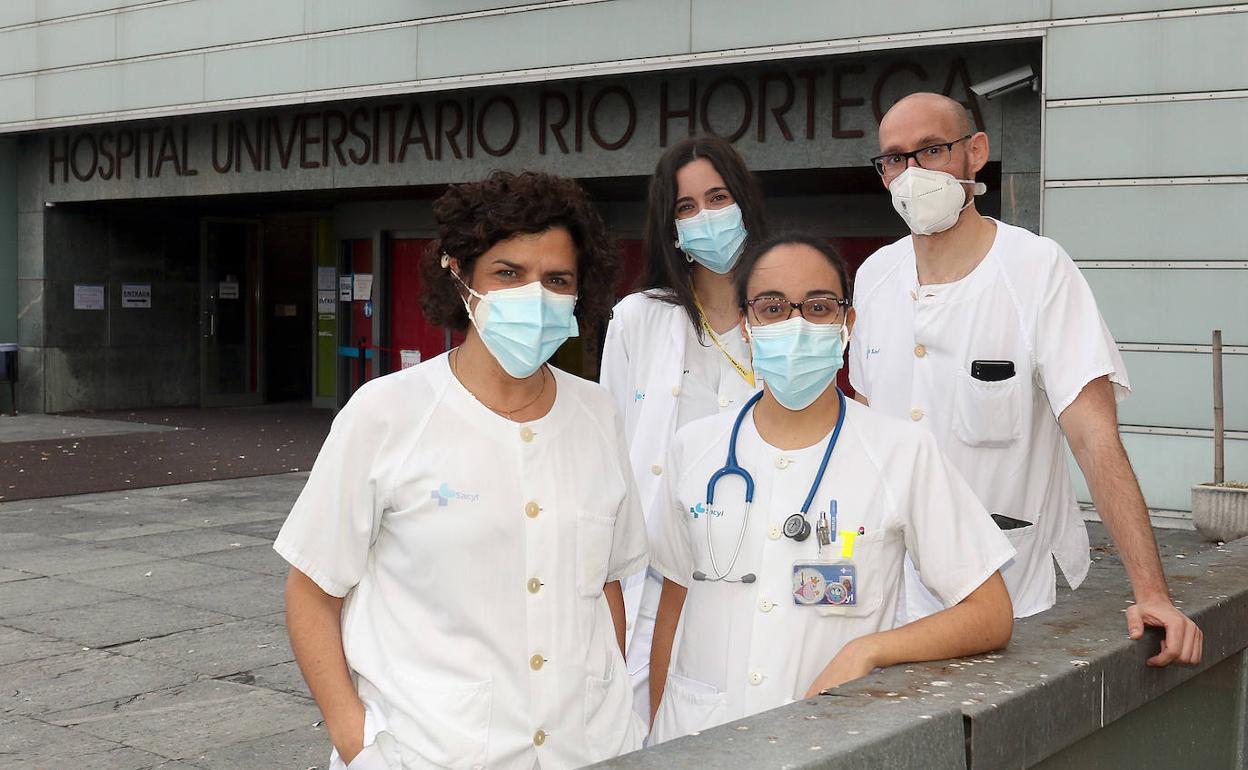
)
(370, 758)
(873, 558)
(986, 414)
(442, 724)
(1027, 576)
(688, 706)
(594, 536)
(612, 727)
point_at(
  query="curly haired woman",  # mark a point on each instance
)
(454, 596)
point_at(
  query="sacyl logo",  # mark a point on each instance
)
(444, 495)
(705, 510)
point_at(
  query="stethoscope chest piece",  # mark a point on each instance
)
(796, 527)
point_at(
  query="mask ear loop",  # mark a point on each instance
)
(445, 262)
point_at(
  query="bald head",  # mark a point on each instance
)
(925, 120)
(928, 112)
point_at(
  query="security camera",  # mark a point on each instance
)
(1011, 81)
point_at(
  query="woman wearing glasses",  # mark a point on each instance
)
(674, 352)
(784, 524)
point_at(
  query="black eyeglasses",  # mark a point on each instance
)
(817, 310)
(933, 157)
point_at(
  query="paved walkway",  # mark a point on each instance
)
(146, 629)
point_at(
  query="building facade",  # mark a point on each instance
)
(212, 202)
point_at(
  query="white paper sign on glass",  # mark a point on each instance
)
(363, 286)
(88, 296)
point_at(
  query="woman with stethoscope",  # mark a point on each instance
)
(784, 524)
(673, 352)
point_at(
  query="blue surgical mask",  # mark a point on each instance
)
(713, 237)
(798, 359)
(524, 326)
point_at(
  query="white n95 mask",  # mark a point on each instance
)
(931, 201)
(523, 326)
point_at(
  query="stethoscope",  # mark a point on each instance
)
(796, 526)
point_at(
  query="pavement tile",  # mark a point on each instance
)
(303, 748)
(285, 677)
(27, 744)
(216, 651)
(25, 597)
(9, 575)
(187, 722)
(277, 618)
(17, 645)
(76, 557)
(166, 575)
(12, 540)
(217, 516)
(160, 508)
(111, 623)
(188, 542)
(51, 521)
(81, 678)
(266, 529)
(250, 598)
(131, 530)
(262, 559)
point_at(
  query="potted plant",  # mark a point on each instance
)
(1220, 508)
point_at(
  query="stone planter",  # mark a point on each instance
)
(1220, 513)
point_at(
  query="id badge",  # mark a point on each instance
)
(825, 583)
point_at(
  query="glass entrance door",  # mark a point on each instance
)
(230, 318)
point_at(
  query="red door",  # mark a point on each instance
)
(633, 254)
(408, 328)
(855, 251)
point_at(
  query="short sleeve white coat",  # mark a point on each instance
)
(746, 647)
(912, 354)
(472, 552)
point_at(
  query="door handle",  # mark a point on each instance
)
(210, 323)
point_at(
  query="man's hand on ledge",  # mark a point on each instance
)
(1183, 641)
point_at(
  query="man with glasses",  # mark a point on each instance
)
(988, 336)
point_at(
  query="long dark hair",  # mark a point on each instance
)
(667, 274)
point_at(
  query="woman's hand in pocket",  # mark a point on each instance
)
(347, 733)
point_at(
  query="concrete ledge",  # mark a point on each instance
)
(1068, 673)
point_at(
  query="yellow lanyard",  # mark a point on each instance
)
(746, 374)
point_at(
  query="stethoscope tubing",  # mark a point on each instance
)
(733, 468)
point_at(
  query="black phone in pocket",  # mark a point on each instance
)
(1009, 522)
(992, 371)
